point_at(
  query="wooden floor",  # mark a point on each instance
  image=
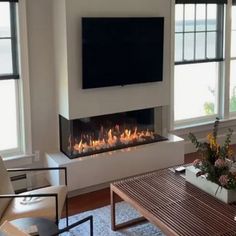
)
(100, 198)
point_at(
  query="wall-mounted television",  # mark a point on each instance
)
(117, 51)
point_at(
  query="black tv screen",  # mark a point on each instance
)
(121, 51)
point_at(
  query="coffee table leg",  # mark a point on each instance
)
(123, 225)
(113, 211)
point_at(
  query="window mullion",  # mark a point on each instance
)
(14, 38)
(5, 37)
(220, 30)
(9, 76)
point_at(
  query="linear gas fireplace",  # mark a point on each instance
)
(92, 135)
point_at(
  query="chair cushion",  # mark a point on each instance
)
(37, 207)
(5, 187)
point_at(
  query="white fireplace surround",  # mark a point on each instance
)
(75, 102)
(99, 170)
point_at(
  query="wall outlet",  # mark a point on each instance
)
(37, 155)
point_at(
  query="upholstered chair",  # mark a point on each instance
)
(46, 202)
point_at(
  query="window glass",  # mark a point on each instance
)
(211, 16)
(202, 32)
(189, 46)
(233, 44)
(200, 17)
(8, 121)
(5, 39)
(195, 90)
(200, 45)
(179, 47)
(179, 18)
(232, 99)
(196, 82)
(233, 34)
(189, 17)
(4, 20)
(9, 99)
(234, 17)
(233, 86)
(5, 56)
(211, 44)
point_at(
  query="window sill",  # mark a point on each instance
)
(19, 160)
(200, 130)
(202, 127)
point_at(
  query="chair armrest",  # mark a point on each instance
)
(35, 195)
(35, 169)
(28, 195)
(39, 169)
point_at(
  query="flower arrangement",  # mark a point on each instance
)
(214, 161)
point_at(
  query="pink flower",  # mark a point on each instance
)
(220, 163)
(197, 163)
(223, 180)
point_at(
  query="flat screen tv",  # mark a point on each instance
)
(121, 50)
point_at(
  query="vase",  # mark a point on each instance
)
(223, 194)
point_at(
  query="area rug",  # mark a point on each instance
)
(102, 224)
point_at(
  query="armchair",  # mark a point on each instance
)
(49, 203)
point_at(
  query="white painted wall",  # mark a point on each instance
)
(41, 75)
(60, 56)
(84, 103)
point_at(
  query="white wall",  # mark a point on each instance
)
(84, 103)
(41, 74)
(60, 56)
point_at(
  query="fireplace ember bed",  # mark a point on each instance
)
(93, 135)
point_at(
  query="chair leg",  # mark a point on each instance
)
(89, 218)
(57, 217)
(67, 214)
(91, 225)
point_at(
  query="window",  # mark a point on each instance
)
(196, 90)
(199, 34)
(9, 83)
(232, 101)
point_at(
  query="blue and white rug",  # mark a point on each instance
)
(102, 223)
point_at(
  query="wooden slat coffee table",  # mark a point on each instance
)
(173, 205)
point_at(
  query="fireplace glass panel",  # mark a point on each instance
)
(92, 135)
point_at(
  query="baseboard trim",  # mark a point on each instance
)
(88, 190)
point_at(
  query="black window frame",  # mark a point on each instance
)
(13, 38)
(219, 55)
(202, 1)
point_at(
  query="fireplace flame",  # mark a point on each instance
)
(111, 138)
